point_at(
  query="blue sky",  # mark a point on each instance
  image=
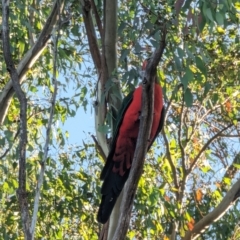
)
(80, 125)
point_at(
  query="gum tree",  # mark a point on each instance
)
(189, 186)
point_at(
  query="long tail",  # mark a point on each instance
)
(111, 188)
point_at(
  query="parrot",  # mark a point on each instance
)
(118, 164)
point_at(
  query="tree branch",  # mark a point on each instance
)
(216, 214)
(104, 232)
(99, 148)
(28, 60)
(31, 17)
(49, 126)
(9, 148)
(143, 136)
(98, 20)
(21, 192)
(114, 95)
(206, 146)
(100, 103)
(171, 100)
(91, 35)
(110, 35)
(173, 168)
(180, 137)
(231, 170)
(178, 5)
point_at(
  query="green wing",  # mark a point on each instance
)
(126, 102)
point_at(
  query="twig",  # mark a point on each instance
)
(180, 137)
(141, 147)
(206, 146)
(9, 148)
(99, 148)
(171, 100)
(229, 135)
(21, 192)
(48, 131)
(169, 157)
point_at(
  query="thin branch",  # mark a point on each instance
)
(110, 34)
(206, 146)
(171, 100)
(141, 147)
(229, 135)
(216, 214)
(21, 192)
(194, 19)
(169, 157)
(98, 20)
(31, 17)
(178, 5)
(231, 170)
(48, 131)
(180, 137)
(10, 147)
(99, 148)
(197, 123)
(91, 35)
(28, 60)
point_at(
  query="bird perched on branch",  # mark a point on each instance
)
(119, 160)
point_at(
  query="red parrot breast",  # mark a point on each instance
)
(128, 131)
